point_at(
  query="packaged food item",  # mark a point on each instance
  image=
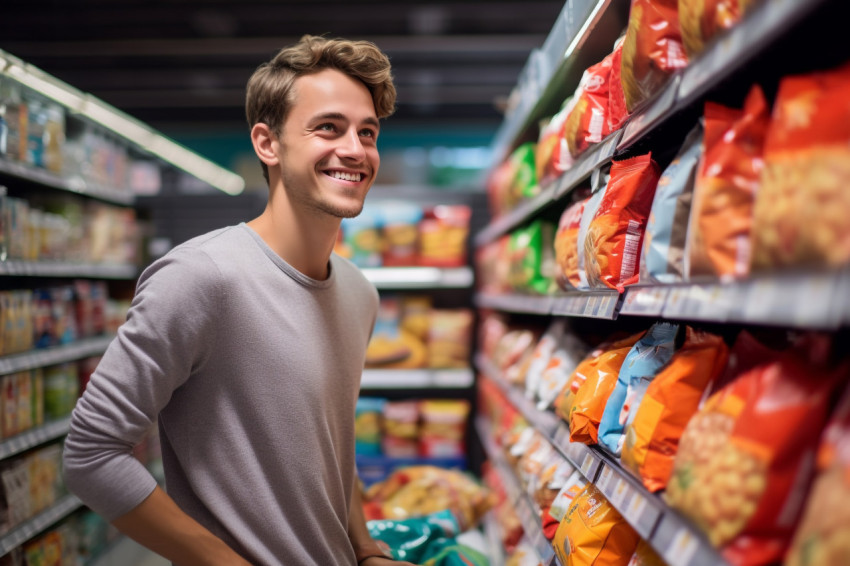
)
(532, 258)
(574, 484)
(655, 426)
(498, 187)
(720, 226)
(400, 233)
(442, 432)
(392, 346)
(566, 246)
(801, 207)
(569, 351)
(598, 373)
(665, 237)
(645, 555)
(744, 463)
(400, 429)
(443, 233)
(652, 50)
(702, 20)
(587, 216)
(822, 534)
(593, 533)
(368, 426)
(649, 354)
(449, 337)
(618, 111)
(614, 236)
(587, 121)
(362, 240)
(542, 354)
(552, 157)
(524, 183)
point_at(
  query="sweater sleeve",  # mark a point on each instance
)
(170, 329)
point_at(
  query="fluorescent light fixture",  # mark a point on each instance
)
(132, 130)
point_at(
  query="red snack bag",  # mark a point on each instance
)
(553, 157)
(652, 50)
(724, 191)
(701, 20)
(587, 121)
(566, 246)
(618, 113)
(615, 235)
(802, 206)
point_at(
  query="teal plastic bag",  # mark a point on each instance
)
(428, 540)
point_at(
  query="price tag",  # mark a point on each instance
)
(682, 548)
(587, 465)
(635, 509)
(604, 481)
(618, 496)
(647, 301)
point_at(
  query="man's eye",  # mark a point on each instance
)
(368, 133)
(326, 127)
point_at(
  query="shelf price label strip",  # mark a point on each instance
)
(20, 534)
(31, 438)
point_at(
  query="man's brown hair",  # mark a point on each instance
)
(270, 96)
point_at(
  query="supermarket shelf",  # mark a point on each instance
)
(673, 537)
(31, 438)
(419, 277)
(55, 355)
(75, 185)
(417, 378)
(521, 501)
(68, 269)
(818, 300)
(590, 304)
(20, 534)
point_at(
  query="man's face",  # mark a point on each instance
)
(328, 153)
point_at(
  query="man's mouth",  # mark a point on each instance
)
(343, 176)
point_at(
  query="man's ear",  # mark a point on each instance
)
(265, 143)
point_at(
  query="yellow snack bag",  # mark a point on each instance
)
(593, 533)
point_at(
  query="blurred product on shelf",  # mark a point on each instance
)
(720, 233)
(552, 156)
(30, 484)
(806, 147)
(702, 20)
(390, 233)
(421, 428)
(410, 333)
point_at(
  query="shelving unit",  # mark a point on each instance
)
(799, 300)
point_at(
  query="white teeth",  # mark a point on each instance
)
(345, 176)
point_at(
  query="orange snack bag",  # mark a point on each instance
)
(597, 376)
(724, 191)
(652, 50)
(824, 529)
(802, 206)
(701, 20)
(618, 112)
(593, 533)
(671, 399)
(745, 461)
(552, 157)
(587, 121)
(566, 246)
(614, 236)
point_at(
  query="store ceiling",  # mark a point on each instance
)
(183, 64)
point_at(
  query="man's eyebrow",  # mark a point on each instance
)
(339, 116)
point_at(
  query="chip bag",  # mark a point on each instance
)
(702, 20)
(745, 460)
(662, 253)
(653, 430)
(802, 206)
(647, 356)
(566, 246)
(720, 227)
(532, 258)
(614, 236)
(652, 50)
(593, 533)
(598, 375)
(553, 157)
(824, 530)
(587, 121)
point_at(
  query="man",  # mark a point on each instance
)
(246, 346)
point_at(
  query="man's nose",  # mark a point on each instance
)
(351, 146)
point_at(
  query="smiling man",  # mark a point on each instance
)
(246, 346)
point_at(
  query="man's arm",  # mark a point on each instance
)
(365, 548)
(160, 525)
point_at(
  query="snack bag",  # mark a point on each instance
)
(543, 352)
(573, 485)
(367, 425)
(556, 377)
(652, 50)
(719, 234)
(442, 430)
(400, 232)
(702, 20)
(566, 246)
(449, 335)
(618, 112)
(599, 374)
(443, 233)
(587, 122)
(662, 254)
(532, 258)
(362, 240)
(802, 206)
(745, 460)
(645, 555)
(654, 428)
(614, 235)
(647, 356)
(400, 426)
(553, 157)
(593, 533)
(822, 535)
(498, 186)
(391, 345)
(587, 216)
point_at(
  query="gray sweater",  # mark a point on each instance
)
(252, 371)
